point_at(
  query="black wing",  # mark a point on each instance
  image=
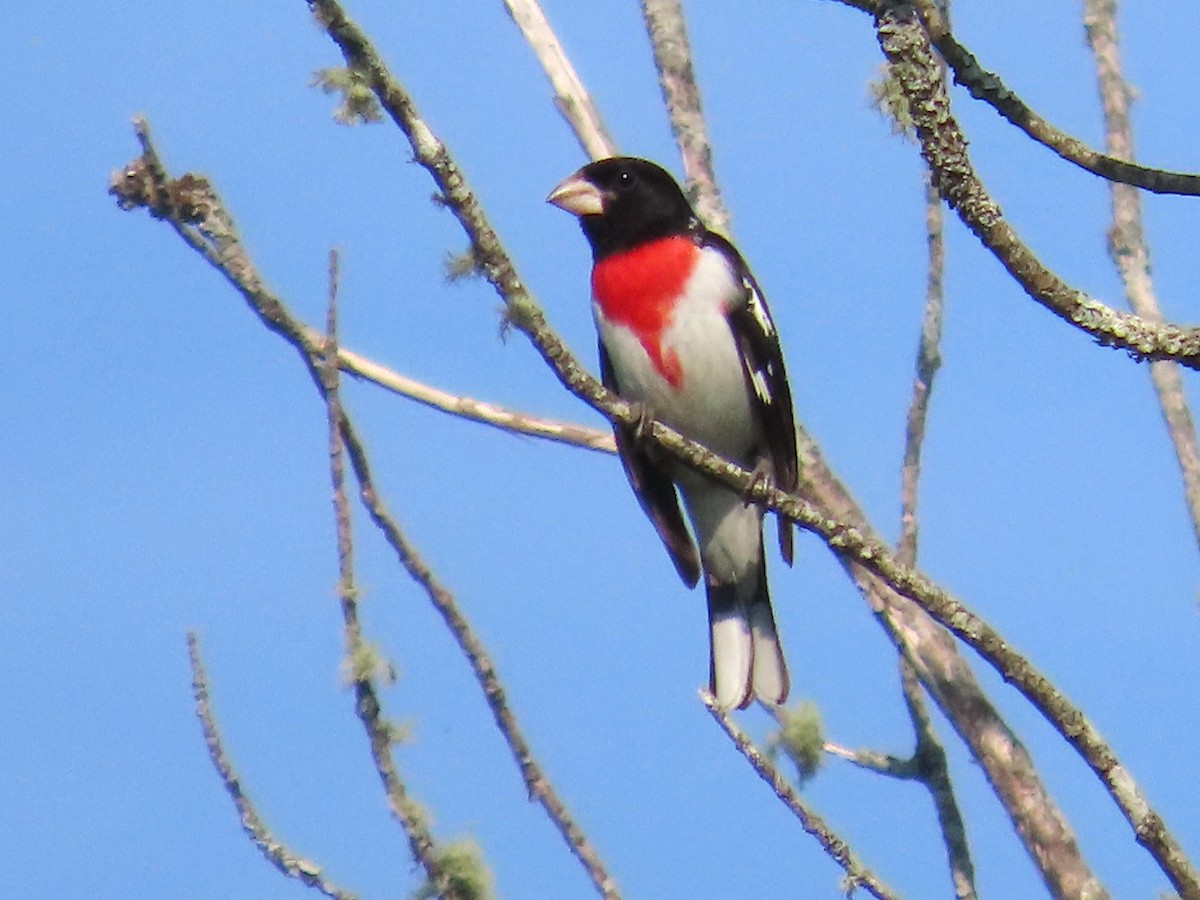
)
(762, 359)
(654, 490)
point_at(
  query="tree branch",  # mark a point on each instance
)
(987, 86)
(361, 660)
(1127, 245)
(667, 30)
(470, 408)
(570, 96)
(275, 853)
(929, 758)
(929, 763)
(906, 46)
(929, 360)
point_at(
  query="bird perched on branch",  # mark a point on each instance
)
(685, 332)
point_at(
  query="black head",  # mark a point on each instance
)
(624, 201)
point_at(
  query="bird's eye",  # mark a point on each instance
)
(624, 180)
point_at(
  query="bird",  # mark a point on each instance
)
(685, 335)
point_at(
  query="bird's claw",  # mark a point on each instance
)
(645, 416)
(761, 477)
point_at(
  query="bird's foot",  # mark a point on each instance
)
(645, 416)
(761, 478)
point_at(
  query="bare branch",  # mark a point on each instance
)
(929, 762)
(275, 853)
(1127, 244)
(667, 31)
(379, 734)
(836, 848)
(536, 781)
(570, 96)
(906, 46)
(196, 213)
(987, 86)
(504, 418)
(929, 758)
(929, 360)
(874, 761)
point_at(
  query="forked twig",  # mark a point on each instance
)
(536, 781)
(837, 849)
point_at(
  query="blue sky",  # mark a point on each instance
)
(166, 460)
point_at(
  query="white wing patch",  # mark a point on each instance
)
(758, 309)
(758, 378)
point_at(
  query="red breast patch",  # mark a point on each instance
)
(638, 289)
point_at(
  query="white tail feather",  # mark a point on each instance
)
(770, 675)
(732, 655)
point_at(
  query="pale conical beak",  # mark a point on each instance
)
(579, 196)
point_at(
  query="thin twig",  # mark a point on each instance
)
(366, 702)
(667, 31)
(193, 209)
(929, 757)
(874, 761)
(929, 761)
(572, 100)
(837, 849)
(850, 544)
(475, 410)
(536, 782)
(929, 360)
(1127, 244)
(275, 852)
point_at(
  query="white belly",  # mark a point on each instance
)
(711, 401)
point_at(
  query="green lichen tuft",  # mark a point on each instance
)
(358, 105)
(367, 663)
(461, 266)
(889, 101)
(469, 877)
(800, 738)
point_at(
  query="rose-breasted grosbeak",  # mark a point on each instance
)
(685, 331)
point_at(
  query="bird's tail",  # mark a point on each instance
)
(746, 659)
